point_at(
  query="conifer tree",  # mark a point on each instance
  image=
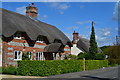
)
(93, 50)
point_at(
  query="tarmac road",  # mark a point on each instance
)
(110, 73)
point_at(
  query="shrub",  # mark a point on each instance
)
(73, 57)
(9, 70)
(113, 61)
(55, 67)
(95, 64)
(100, 56)
(46, 68)
(82, 55)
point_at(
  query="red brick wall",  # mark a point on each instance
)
(6, 48)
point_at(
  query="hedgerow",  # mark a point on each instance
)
(55, 67)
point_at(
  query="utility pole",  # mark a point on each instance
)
(116, 40)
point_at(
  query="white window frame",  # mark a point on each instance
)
(54, 56)
(19, 57)
(39, 56)
(17, 35)
(30, 55)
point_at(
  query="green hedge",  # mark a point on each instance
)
(9, 70)
(46, 68)
(55, 67)
(95, 64)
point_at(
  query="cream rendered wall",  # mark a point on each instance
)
(75, 50)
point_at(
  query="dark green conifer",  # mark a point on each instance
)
(93, 50)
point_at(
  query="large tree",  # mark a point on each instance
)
(93, 50)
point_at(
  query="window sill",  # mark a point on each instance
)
(39, 42)
(17, 59)
(17, 38)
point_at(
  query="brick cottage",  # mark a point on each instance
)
(26, 34)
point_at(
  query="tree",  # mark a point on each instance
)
(72, 57)
(82, 55)
(93, 50)
(113, 53)
(100, 56)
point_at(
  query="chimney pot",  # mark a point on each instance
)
(32, 4)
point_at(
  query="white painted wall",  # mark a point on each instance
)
(75, 50)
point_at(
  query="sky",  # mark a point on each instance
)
(78, 16)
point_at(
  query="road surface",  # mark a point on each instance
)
(111, 73)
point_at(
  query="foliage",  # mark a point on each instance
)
(9, 70)
(100, 56)
(84, 55)
(104, 48)
(73, 57)
(113, 53)
(25, 56)
(95, 64)
(55, 67)
(93, 44)
(46, 68)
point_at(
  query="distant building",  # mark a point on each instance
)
(79, 44)
(21, 34)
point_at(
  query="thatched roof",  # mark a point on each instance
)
(83, 44)
(54, 47)
(13, 22)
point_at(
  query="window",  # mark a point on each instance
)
(39, 56)
(30, 55)
(17, 35)
(40, 40)
(17, 55)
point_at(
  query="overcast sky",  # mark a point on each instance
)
(70, 16)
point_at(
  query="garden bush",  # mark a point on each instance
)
(82, 55)
(100, 56)
(95, 64)
(55, 67)
(50, 67)
(9, 70)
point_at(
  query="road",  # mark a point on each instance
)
(111, 73)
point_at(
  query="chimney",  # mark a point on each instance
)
(75, 37)
(32, 11)
(32, 5)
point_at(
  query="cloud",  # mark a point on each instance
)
(69, 35)
(84, 22)
(21, 10)
(61, 12)
(107, 33)
(116, 13)
(61, 7)
(82, 6)
(72, 28)
(79, 22)
(44, 16)
(103, 36)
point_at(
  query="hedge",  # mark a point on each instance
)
(9, 70)
(55, 67)
(95, 64)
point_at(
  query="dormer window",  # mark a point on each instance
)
(17, 35)
(67, 45)
(40, 39)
